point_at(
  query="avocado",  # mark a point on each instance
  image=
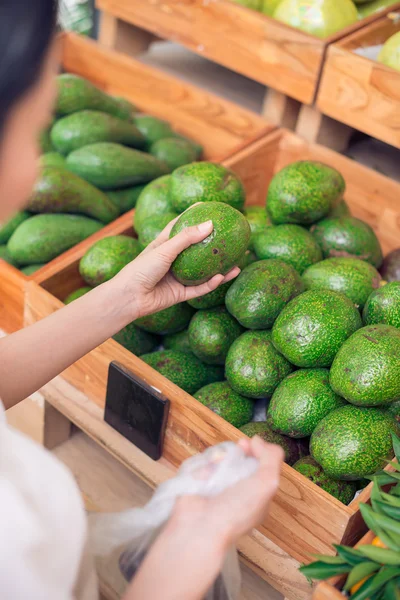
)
(262, 429)
(390, 53)
(197, 147)
(91, 127)
(268, 7)
(151, 228)
(254, 368)
(6, 256)
(370, 8)
(352, 442)
(174, 152)
(153, 201)
(348, 236)
(31, 269)
(45, 141)
(220, 251)
(352, 277)
(291, 243)
(390, 269)
(312, 327)
(153, 129)
(77, 294)
(253, 4)
(126, 105)
(344, 491)
(169, 320)
(225, 402)
(340, 210)
(126, 198)
(205, 182)
(58, 191)
(8, 228)
(211, 334)
(394, 410)
(43, 237)
(304, 192)
(177, 341)
(258, 221)
(107, 257)
(260, 292)
(184, 369)
(52, 159)
(383, 306)
(76, 93)
(300, 401)
(111, 166)
(136, 340)
(366, 370)
(322, 18)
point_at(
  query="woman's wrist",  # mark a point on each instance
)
(114, 304)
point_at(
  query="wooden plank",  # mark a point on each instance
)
(57, 428)
(12, 284)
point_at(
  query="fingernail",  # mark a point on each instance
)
(204, 227)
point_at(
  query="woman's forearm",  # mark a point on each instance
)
(33, 356)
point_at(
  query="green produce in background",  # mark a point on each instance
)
(153, 129)
(169, 320)
(205, 182)
(76, 93)
(340, 210)
(6, 256)
(394, 410)
(390, 269)
(349, 237)
(126, 105)
(44, 237)
(342, 490)
(261, 291)
(151, 228)
(31, 269)
(52, 159)
(220, 251)
(254, 4)
(390, 53)
(174, 152)
(292, 448)
(258, 220)
(8, 228)
(107, 257)
(58, 191)
(77, 294)
(321, 18)
(177, 341)
(311, 328)
(154, 200)
(197, 147)
(268, 7)
(304, 192)
(366, 370)
(254, 368)
(352, 442)
(369, 8)
(211, 334)
(225, 402)
(212, 299)
(291, 243)
(126, 198)
(300, 401)
(352, 277)
(383, 306)
(91, 127)
(45, 143)
(136, 340)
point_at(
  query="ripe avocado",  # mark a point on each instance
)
(52, 159)
(340, 210)
(43, 237)
(183, 368)
(174, 152)
(177, 341)
(348, 236)
(342, 490)
(254, 368)
(261, 428)
(169, 320)
(261, 291)
(220, 251)
(352, 277)
(77, 294)
(291, 243)
(5, 255)
(225, 402)
(269, 6)
(45, 141)
(312, 327)
(154, 200)
(136, 340)
(394, 410)
(389, 54)
(126, 198)
(211, 334)
(126, 105)
(351, 442)
(107, 257)
(111, 166)
(322, 18)
(390, 269)
(153, 129)
(91, 127)
(383, 306)
(205, 182)
(58, 191)
(300, 401)
(304, 192)
(8, 228)
(31, 269)
(366, 370)
(151, 228)
(258, 221)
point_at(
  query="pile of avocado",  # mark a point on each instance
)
(97, 156)
(308, 324)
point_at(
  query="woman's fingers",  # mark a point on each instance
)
(196, 291)
(189, 236)
(231, 275)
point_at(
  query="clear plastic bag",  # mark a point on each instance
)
(134, 531)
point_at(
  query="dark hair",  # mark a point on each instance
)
(26, 30)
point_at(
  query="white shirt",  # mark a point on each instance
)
(42, 521)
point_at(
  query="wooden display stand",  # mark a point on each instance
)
(220, 126)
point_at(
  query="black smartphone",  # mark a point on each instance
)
(136, 410)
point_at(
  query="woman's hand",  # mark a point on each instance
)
(147, 283)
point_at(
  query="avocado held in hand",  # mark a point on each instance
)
(107, 257)
(220, 251)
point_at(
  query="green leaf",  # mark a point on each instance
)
(359, 572)
(376, 583)
(381, 555)
(395, 491)
(329, 560)
(392, 590)
(389, 510)
(374, 520)
(391, 498)
(350, 555)
(384, 477)
(369, 518)
(396, 446)
(393, 464)
(320, 570)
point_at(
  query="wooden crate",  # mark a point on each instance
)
(303, 518)
(220, 126)
(362, 92)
